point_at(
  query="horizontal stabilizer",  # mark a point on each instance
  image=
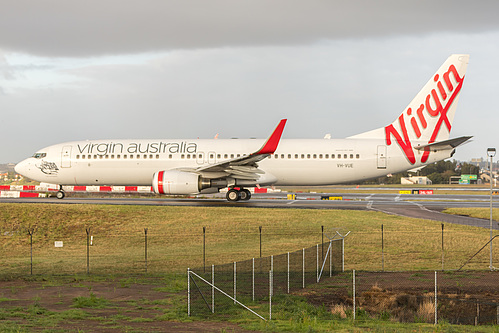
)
(444, 145)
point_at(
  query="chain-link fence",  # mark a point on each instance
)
(258, 279)
(469, 297)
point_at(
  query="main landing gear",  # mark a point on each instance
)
(238, 194)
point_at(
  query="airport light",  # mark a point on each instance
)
(491, 152)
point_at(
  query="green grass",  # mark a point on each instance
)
(175, 242)
(175, 238)
(90, 302)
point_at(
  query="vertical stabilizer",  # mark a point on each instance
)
(428, 118)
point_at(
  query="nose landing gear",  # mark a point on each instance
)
(60, 194)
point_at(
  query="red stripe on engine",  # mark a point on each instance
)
(160, 182)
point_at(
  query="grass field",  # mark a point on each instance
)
(175, 238)
(131, 302)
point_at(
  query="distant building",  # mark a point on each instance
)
(415, 180)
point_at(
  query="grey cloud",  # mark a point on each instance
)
(95, 27)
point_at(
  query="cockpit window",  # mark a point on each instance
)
(39, 155)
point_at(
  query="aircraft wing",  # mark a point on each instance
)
(444, 145)
(246, 167)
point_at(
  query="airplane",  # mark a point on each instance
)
(417, 137)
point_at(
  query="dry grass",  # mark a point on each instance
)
(175, 237)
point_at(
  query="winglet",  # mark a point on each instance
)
(272, 142)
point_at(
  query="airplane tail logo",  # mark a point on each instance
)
(428, 118)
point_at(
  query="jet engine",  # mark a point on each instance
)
(181, 182)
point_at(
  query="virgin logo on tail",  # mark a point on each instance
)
(422, 120)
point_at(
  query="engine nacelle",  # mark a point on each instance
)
(177, 182)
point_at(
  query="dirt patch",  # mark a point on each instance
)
(462, 297)
(108, 306)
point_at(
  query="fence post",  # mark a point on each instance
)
(322, 242)
(204, 249)
(88, 249)
(30, 233)
(288, 272)
(303, 269)
(260, 229)
(270, 295)
(442, 246)
(253, 280)
(382, 249)
(188, 292)
(343, 254)
(354, 295)
(145, 247)
(317, 270)
(436, 303)
(212, 288)
(331, 259)
(234, 282)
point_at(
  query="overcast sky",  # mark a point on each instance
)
(75, 70)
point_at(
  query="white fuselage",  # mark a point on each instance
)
(295, 162)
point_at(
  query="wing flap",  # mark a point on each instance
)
(246, 166)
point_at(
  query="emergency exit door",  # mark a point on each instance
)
(381, 157)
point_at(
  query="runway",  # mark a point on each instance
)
(416, 206)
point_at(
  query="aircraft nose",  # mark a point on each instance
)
(22, 167)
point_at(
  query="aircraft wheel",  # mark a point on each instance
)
(60, 195)
(245, 194)
(232, 195)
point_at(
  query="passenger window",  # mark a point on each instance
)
(226, 156)
(182, 156)
(112, 156)
(357, 156)
(345, 156)
(138, 156)
(118, 156)
(157, 156)
(289, 156)
(83, 156)
(315, 156)
(231, 155)
(308, 155)
(77, 157)
(339, 155)
(107, 156)
(170, 156)
(282, 156)
(326, 156)
(302, 156)
(131, 157)
(212, 155)
(218, 156)
(296, 155)
(188, 156)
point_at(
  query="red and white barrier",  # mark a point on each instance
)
(32, 191)
(19, 194)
